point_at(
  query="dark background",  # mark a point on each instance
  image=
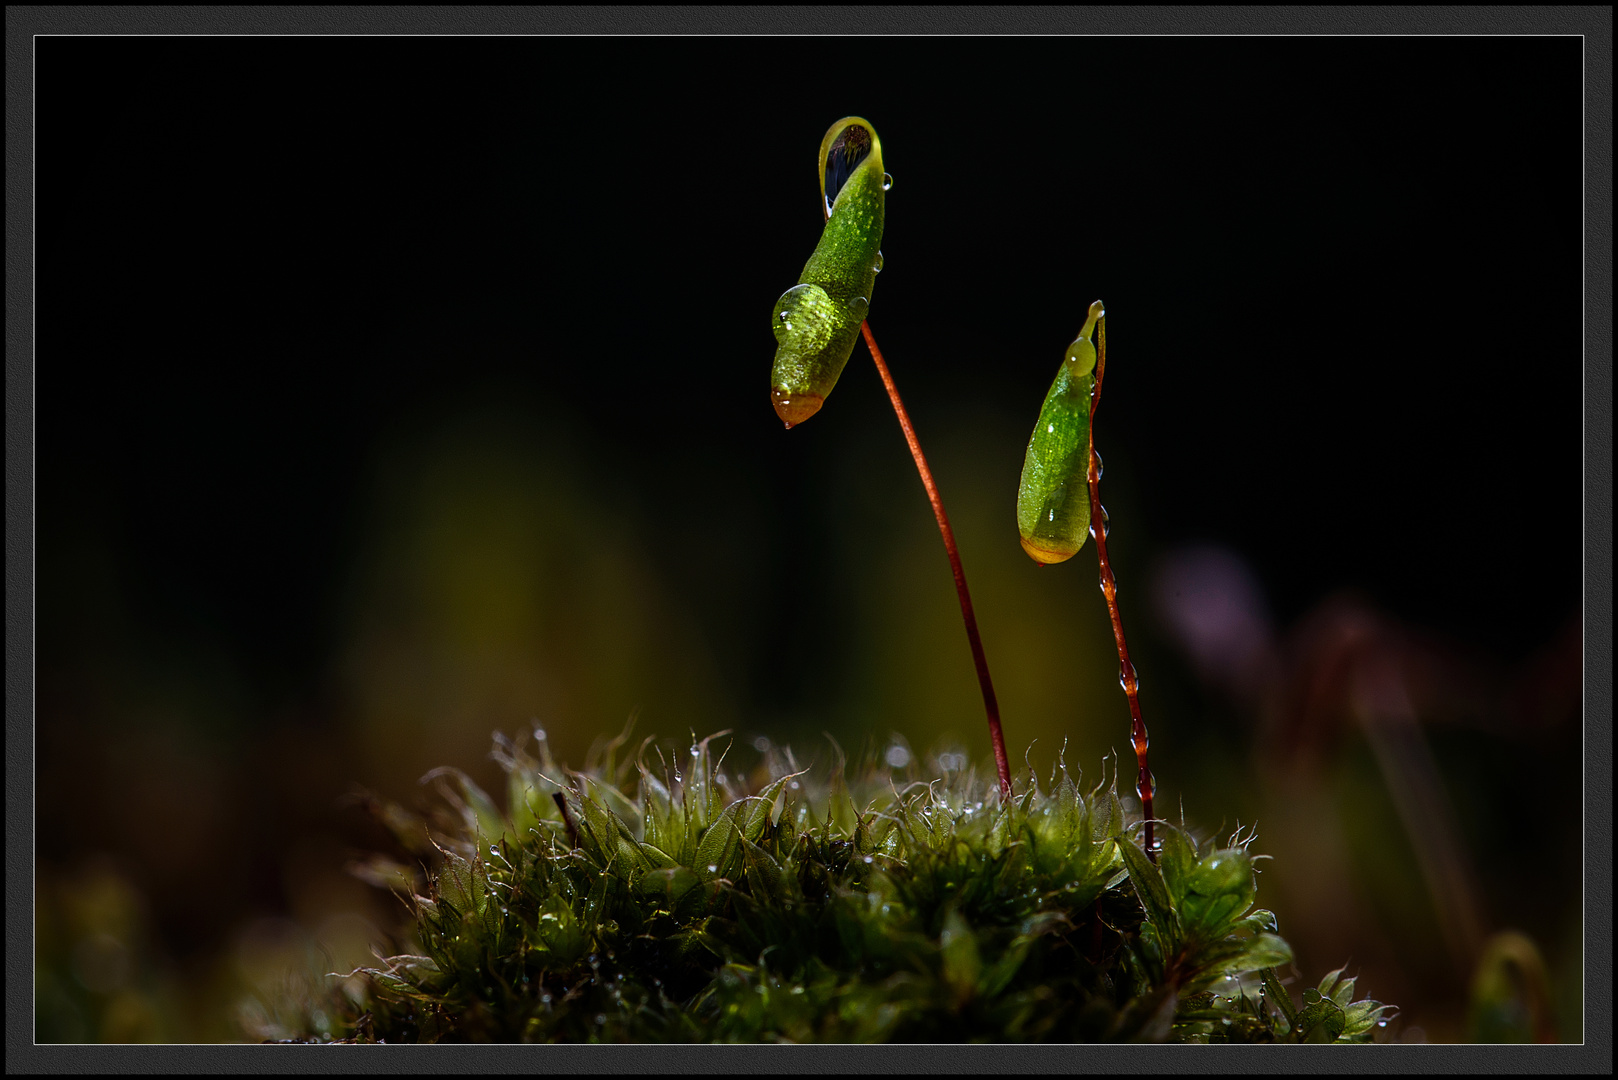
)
(395, 391)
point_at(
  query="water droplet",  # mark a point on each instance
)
(887, 181)
(794, 785)
(601, 1018)
(713, 868)
(868, 860)
(544, 999)
(859, 307)
(1381, 1023)
(877, 267)
(677, 776)
(761, 744)
(695, 752)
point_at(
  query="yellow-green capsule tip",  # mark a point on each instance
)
(851, 139)
(1097, 310)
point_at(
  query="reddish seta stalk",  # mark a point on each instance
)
(990, 705)
(1145, 786)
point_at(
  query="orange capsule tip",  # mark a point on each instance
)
(795, 408)
(1046, 556)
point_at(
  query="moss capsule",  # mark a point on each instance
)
(817, 321)
(1053, 499)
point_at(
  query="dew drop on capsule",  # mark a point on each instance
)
(887, 181)
(858, 308)
(876, 267)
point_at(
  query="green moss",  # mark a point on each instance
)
(713, 905)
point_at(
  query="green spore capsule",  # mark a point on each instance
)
(1053, 499)
(817, 321)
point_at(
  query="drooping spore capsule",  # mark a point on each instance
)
(817, 321)
(1053, 498)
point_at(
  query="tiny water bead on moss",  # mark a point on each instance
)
(844, 908)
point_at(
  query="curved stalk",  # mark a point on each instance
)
(990, 705)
